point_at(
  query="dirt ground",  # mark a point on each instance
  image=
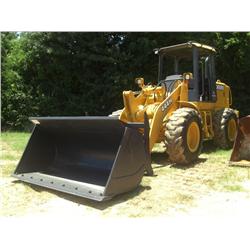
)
(208, 187)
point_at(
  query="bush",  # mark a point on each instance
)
(48, 74)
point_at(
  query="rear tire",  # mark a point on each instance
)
(225, 128)
(183, 136)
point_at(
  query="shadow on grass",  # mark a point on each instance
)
(161, 159)
(191, 165)
(91, 203)
(106, 204)
(209, 147)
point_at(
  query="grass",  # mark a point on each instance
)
(225, 178)
(173, 187)
(15, 140)
(16, 197)
(12, 146)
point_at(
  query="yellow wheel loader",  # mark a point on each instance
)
(100, 157)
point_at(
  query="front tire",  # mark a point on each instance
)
(183, 136)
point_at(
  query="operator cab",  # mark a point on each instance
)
(192, 57)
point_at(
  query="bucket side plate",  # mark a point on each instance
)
(241, 151)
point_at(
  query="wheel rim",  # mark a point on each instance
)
(231, 129)
(193, 137)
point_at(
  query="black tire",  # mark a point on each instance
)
(176, 136)
(221, 120)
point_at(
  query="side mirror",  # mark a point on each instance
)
(140, 82)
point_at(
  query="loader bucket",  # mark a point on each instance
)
(241, 150)
(91, 157)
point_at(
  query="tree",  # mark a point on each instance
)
(54, 74)
(233, 66)
(17, 101)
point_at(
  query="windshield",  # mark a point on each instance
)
(170, 65)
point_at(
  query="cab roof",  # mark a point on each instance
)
(185, 49)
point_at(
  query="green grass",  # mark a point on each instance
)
(17, 197)
(12, 147)
(175, 186)
(184, 198)
(234, 188)
(8, 169)
(15, 140)
(212, 171)
(225, 178)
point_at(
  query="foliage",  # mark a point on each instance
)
(233, 65)
(47, 74)
(17, 99)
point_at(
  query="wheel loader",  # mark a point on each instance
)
(100, 157)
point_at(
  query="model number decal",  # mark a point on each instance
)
(219, 87)
(166, 105)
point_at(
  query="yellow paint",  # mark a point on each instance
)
(193, 136)
(199, 45)
(160, 104)
(161, 111)
(208, 124)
